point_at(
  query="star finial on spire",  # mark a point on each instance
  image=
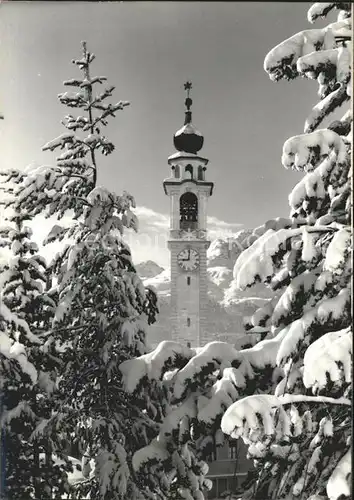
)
(188, 101)
(188, 86)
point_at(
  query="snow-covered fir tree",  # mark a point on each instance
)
(288, 397)
(301, 436)
(27, 374)
(102, 309)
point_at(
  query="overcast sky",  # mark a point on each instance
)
(148, 50)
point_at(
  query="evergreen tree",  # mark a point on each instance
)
(288, 397)
(27, 373)
(300, 437)
(103, 308)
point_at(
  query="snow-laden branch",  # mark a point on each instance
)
(325, 107)
(329, 356)
(304, 152)
(338, 60)
(313, 183)
(319, 9)
(250, 413)
(19, 324)
(338, 485)
(281, 61)
(166, 356)
(338, 251)
(17, 351)
(257, 263)
(332, 311)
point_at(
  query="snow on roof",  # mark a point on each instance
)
(189, 128)
(184, 154)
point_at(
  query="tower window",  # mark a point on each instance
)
(233, 449)
(189, 169)
(200, 173)
(214, 455)
(188, 281)
(188, 211)
(188, 322)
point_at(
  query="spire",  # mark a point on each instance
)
(188, 138)
(188, 102)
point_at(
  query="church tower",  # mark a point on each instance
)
(189, 190)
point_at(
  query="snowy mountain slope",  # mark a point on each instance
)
(161, 283)
(148, 269)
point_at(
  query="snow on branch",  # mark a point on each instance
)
(100, 195)
(338, 251)
(155, 451)
(167, 356)
(329, 356)
(56, 233)
(332, 311)
(299, 287)
(61, 141)
(108, 110)
(329, 104)
(281, 61)
(257, 263)
(339, 484)
(304, 152)
(264, 353)
(16, 412)
(106, 211)
(274, 224)
(253, 417)
(253, 411)
(326, 62)
(72, 123)
(73, 82)
(172, 421)
(321, 9)
(260, 318)
(18, 323)
(223, 393)
(17, 351)
(73, 99)
(213, 356)
(233, 382)
(313, 183)
(235, 367)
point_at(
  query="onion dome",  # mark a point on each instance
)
(188, 138)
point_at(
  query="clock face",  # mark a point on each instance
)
(188, 259)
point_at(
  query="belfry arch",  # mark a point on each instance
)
(188, 205)
(188, 171)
